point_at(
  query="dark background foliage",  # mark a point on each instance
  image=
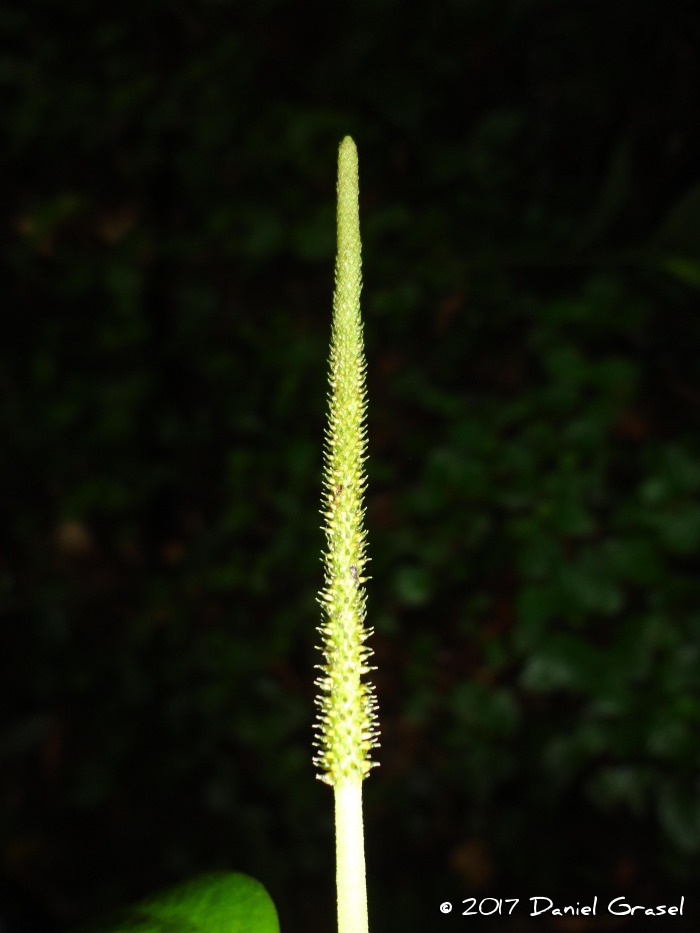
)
(531, 229)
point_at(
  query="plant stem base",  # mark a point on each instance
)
(350, 858)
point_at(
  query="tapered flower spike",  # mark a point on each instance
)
(347, 722)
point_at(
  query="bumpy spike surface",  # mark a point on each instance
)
(346, 727)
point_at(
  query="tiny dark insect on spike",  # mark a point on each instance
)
(338, 489)
(353, 571)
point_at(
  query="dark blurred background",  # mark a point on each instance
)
(531, 226)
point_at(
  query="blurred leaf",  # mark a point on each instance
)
(413, 585)
(612, 786)
(490, 711)
(687, 270)
(676, 243)
(535, 607)
(221, 902)
(562, 663)
(587, 584)
(679, 813)
(679, 528)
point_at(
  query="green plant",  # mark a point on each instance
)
(347, 720)
(218, 902)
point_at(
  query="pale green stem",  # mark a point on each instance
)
(350, 858)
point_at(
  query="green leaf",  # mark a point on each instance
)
(220, 902)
